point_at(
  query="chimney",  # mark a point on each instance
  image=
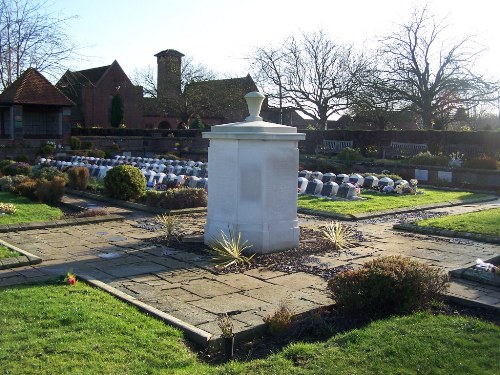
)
(169, 73)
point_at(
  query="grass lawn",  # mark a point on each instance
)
(483, 222)
(27, 210)
(383, 202)
(5, 252)
(58, 328)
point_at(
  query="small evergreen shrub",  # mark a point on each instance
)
(17, 168)
(75, 143)
(5, 163)
(386, 286)
(26, 188)
(349, 154)
(125, 182)
(482, 162)
(177, 198)
(96, 153)
(47, 149)
(426, 158)
(50, 192)
(47, 172)
(78, 178)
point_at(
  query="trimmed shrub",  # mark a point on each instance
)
(125, 182)
(177, 198)
(15, 169)
(482, 162)
(50, 192)
(26, 188)
(96, 153)
(78, 177)
(426, 158)
(386, 286)
(47, 149)
(47, 172)
(75, 143)
(349, 154)
(5, 163)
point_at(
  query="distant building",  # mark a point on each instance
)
(213, 101)
(92, 91)
(32, 108)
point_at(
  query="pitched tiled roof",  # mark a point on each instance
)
(33, 88)
(224, 94)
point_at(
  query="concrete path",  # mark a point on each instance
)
(180, 284)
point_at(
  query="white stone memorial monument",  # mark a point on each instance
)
(246, 159)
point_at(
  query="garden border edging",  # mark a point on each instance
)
(25, 259)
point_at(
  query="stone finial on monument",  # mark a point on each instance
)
(263, 212)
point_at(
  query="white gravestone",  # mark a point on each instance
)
(245, 160)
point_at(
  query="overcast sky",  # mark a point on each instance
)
(220, 33)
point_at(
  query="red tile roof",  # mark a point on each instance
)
(33, 88)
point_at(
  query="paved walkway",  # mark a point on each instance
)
(180, 283)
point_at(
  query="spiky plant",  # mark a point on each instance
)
(229, 249)
(169, 225)
(339, 235)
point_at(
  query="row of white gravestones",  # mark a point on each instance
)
(343, 188)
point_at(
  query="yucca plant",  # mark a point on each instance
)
(340, 236)
(229, 249)
(169, 225)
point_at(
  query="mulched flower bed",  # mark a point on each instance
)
(299, 259)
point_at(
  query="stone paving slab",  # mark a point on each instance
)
(178, 283)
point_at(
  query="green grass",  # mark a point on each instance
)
(57, 328)
(483, 222)
(383, 202)
(5, 252)
(63, 329)
(27, 210)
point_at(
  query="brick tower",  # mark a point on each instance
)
(169, 73)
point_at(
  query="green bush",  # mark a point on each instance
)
(47, 172)
(5, 163)
(319, 164)
(426, 158)
(50, 192)
(177, 198)
(125, 182)
(96, 153)
(75, 143)
(26, 188)
(349, 154)
(482, 162)
(78, 177)
(8, 183)
(47, 149)
(17, 168)
(386, 286)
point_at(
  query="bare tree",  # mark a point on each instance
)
(268, 70)
(32, 37)
(430, 75)
(311, 74)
